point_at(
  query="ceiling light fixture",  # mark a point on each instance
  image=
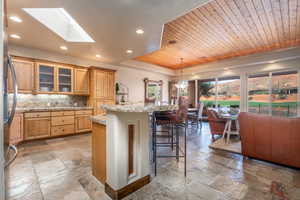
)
(15, 19)
(15, 36)
(139, 31)
(98, 56)
(129, 51)
(60, 22)
(181, 84)
(63, 48)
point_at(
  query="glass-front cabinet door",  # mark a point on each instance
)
(65, 79)
(46, 78)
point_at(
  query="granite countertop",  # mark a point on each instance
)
(138, 107)
(100, 119)
(35, 109)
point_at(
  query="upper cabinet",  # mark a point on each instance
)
(46, 77)
(102, 88)
(54, 79)
(25, 76)
(104, 84)
(65, 79)
(81, 81)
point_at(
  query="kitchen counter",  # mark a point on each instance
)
(138, 108)
(122, 148)
(40, 109)
(99, 119)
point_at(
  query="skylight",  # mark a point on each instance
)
(60, 21)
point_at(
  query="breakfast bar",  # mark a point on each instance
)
(125, 129)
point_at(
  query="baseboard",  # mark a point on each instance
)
(125, 191)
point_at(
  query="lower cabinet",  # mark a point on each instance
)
(99, 152)
(37, 128)
(83, 123)
(50, 124)
(16, 129)
(62, 130)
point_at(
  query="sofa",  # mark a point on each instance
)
(269, 138)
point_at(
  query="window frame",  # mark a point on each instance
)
(270, 87)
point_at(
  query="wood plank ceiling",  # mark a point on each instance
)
(228, 28)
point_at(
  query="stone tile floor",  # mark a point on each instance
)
(60, 169)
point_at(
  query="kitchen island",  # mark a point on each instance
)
(124, 135)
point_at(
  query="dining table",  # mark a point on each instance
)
(230, 118)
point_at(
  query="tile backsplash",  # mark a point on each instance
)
(46, 100)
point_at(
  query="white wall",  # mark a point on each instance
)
(132, 77)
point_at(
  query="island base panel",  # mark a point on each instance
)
(125, 191)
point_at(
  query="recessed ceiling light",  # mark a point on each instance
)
(15, 36)
(98, 56)
(15, 19)
(63, 48)
(60, 22)
(139, 31)
(129, 51)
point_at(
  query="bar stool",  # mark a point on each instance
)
(177, 120)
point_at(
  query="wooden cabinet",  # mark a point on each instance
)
(81, 81)
(16, 129)
(36, 76)
(65, 79)
(37, 127)
(62, 130)
(48, 124)
(46, 78)
(99, 152)
(57, 121)
(37, 114)
(62, 123)
(83, 122)
(54, 79)
(102, 89)
(110, 86)
(25, 76)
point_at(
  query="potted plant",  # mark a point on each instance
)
(117, 88)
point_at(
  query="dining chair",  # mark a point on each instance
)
(216, 124)
(196, 117)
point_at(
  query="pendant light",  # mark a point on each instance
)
(181, 84)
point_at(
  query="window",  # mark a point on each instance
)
(259, 93)
(273, 93)
(284, 94)
(207, 92)
(229, 89)
(60, 22)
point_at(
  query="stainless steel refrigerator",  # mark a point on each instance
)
(9, 152)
